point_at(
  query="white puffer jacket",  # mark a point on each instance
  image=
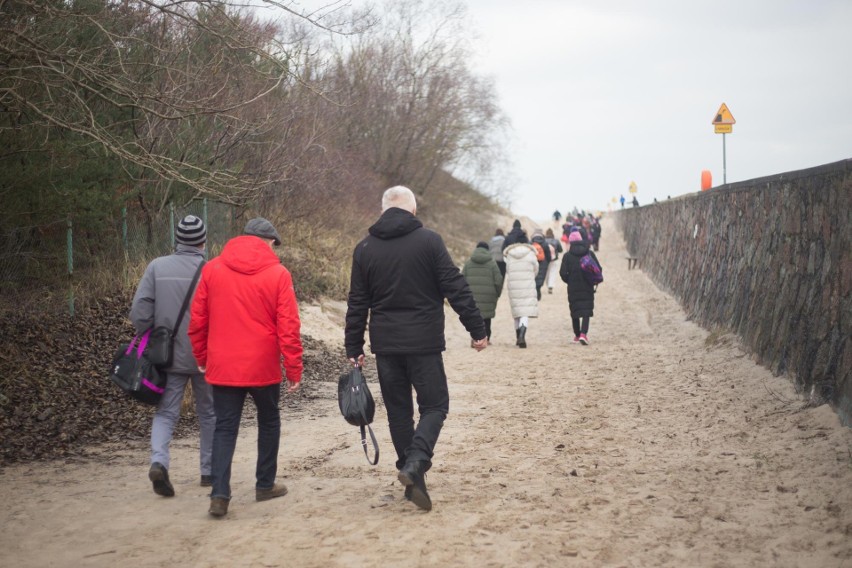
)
(521, 268)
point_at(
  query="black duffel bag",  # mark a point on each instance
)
(358, 407)
(134, 373)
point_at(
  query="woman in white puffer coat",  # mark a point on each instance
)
(521, 268)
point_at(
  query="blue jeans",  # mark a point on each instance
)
(425, 373)
(228, 403)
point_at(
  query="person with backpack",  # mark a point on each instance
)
(157, 302)
(543, 256)
(581, 293)
(486, 282)
(553, 267)
(521, 269)
(495, 246)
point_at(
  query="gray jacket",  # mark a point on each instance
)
(495, 247)
(159, 297)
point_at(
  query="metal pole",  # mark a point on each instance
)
(172, 224)
(724, 161)
(124, 229)
(70, 254)
(204, 215)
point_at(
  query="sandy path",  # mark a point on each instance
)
(657, 445)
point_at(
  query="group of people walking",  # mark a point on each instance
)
(244, 323)
(524, 266)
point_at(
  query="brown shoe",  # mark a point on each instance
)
(277, 490)
(218, 506)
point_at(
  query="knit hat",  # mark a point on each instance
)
(191, 231)
(260, 227)
(575, 237)
(482, 245)
(516, 224)
(538, 232)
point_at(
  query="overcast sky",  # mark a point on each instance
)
(601, 93)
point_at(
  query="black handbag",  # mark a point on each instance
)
(135, 374)
(358, 407)
(161, 343)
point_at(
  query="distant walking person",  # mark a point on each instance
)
(521, 270)
(244, 318)
(622, 200)
(543, 256)
(157, 302)
(557, 216)
(401, 274)
(596, 233)
(552, 268)
(516, 235)
(495, 246)
(486, 283)
(581, 294)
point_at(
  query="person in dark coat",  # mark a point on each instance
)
(596, 233)
(581, 294)
(485, 281)
(401, 274)
(538, 241)
(516, 235)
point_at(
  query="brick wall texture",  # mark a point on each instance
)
(768, 259)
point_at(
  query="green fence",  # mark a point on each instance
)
(55, 264)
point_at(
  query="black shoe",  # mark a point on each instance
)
(522, 341)
(159, 476)
(206, 481)
(408, 493)
(413, 476)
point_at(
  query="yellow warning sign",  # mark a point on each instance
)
(632, 187)
(724, 116)
(723, 128)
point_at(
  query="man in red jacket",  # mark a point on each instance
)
(244, 318)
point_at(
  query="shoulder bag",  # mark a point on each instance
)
(161, 344)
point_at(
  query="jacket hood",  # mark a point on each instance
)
(248, 255)
(393, 223)
(579, 248)
(519, 250)
(481, 255)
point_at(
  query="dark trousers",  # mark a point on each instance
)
(228, 404)
(502, 266)
(487, 327)
(581, 325)
(397, 375)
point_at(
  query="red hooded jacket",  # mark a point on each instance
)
(244, 317)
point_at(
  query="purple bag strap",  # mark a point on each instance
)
(143, 343)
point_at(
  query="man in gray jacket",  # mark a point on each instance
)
(157, 302)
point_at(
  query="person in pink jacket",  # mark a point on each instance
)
(244, 318)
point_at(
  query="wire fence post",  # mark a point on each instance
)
(204, 218)
(70, 255)
(172, 224)
(124, 231)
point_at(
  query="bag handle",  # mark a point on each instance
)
(187, 297)
(364, 434)
(364, 444)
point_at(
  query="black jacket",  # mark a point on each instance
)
(401, 274)
(581, 294)
(516, 235)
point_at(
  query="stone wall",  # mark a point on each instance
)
(769, 259)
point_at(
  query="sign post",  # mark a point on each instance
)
(723, 124)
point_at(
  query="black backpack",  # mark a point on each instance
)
(357, 406)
